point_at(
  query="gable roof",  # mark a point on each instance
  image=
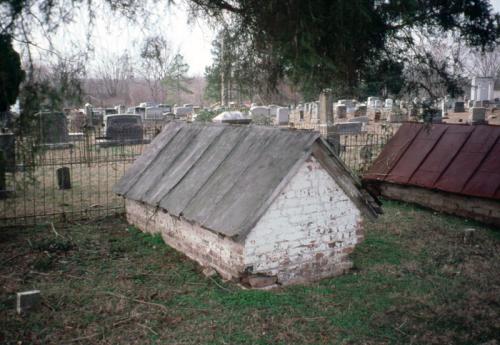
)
(453, 158)
(219, 176)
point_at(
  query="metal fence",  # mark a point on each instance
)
(66, 181)
(73, 180)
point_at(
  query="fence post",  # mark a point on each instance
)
(2, 172)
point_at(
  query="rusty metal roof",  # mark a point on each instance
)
(453, 158)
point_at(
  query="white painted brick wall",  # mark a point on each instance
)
(307, 232)
(201, 245)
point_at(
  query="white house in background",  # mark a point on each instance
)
(482, 89)
(261, 205)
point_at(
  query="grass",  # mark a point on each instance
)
(414, 281)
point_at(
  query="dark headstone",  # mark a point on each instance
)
(123, 127)
(53, 128)
(63, 178)
(459, 107)
(347, 127)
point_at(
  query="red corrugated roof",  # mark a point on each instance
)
(453, 158)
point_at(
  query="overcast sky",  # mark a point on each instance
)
(114, 35)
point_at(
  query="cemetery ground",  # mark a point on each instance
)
(416, 280)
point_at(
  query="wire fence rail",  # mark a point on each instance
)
(73, 180)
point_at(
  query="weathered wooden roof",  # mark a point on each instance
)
(221, 177)
(453, 158)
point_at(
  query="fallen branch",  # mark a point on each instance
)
(220, 286)
(148, 328)
(83, 338)
(14, 257)
(136, 300)
(54, 229)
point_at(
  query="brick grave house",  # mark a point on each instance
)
(260, 205)
(451, 168)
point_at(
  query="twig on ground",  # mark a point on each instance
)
(47, 304)
(14, 257)
(54, 229)
(122, 321)
(135, 300)
(147, 327)
(83, 338)
(220, 286)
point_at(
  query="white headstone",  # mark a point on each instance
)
(482, 89)
(260, 111)
(282, 115)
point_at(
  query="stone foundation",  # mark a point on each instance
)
(483, 210)
(201, 245)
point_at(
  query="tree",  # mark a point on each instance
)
(176, 80)
(434, 65)
(332, 43)
(316, 44)
(239, 70)
(156, 64)
(11, 74)
(484, 63)
(113, 72)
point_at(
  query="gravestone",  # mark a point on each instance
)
(370, 102)
(260, 111)
(229, 116)
(120, 109)
(325, 107)
(348, 127)
(360, 111)
(459, 107)
(396, 117)
(444, 108)
(362, 119)
(341, 111)
(389, 103)
(153, 113)
(477, 104)
(123, 127)
(182, 112)
(63, 178)
(282, 116)
(477, 116)
(53, 128)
